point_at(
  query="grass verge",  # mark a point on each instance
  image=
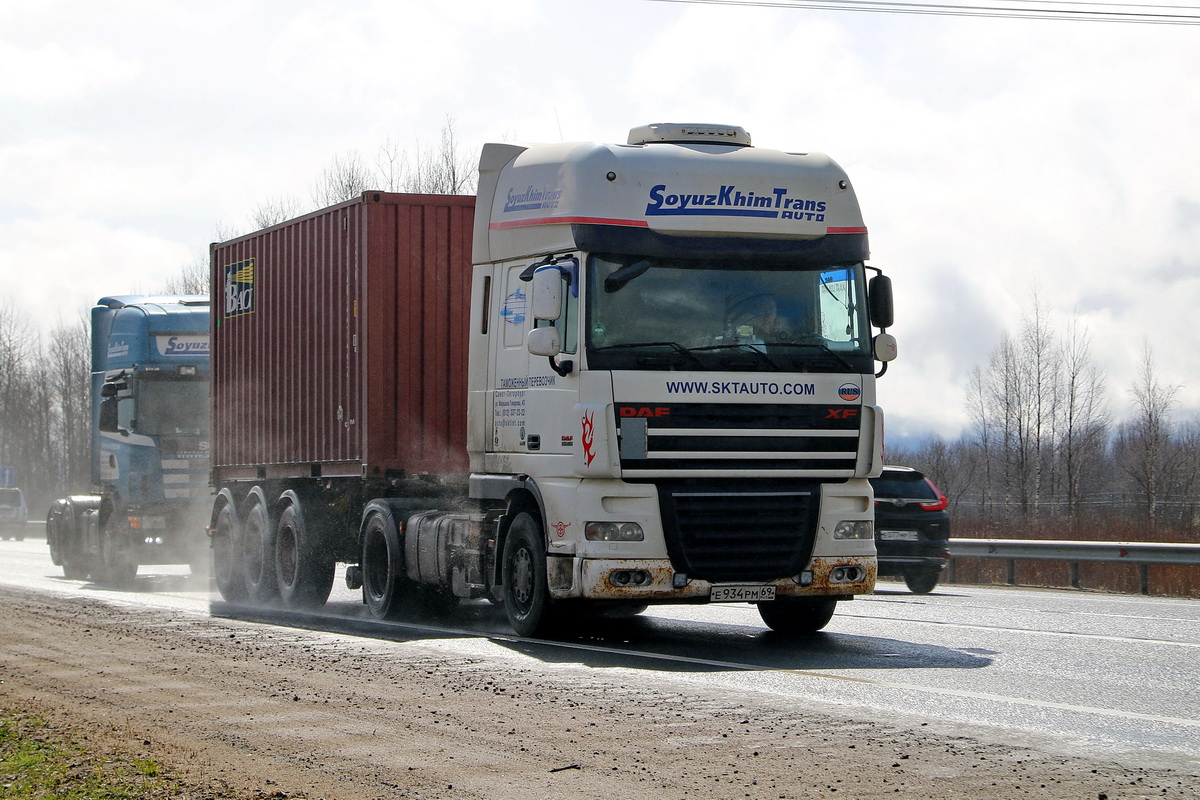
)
(39, 762)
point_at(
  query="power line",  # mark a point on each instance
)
(1066, 10)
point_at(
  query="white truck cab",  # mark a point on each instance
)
(672, 373)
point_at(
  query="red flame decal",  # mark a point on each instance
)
(589, 434)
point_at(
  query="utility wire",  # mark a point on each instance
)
(1065, 10)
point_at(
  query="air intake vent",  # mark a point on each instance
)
(689, 133)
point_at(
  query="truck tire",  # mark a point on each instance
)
(922, 581)
(118, 561)
(52, 534)
(385, 584)
(65, 537)
(258, 550)
(523, 572)
(792, 616)
(227, 566)
(303, 565)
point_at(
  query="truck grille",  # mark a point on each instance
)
(716, 439)
(717, 533)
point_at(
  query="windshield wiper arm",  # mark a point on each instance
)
(819, 346)
(743, 348)
(676, 346)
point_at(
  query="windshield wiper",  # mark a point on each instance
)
(676, 346)
(743, 348)
(818, 346)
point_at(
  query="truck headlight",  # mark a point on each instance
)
(613, 532)
(854, 529)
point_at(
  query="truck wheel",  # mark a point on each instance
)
(258, 551)
(526, 597)
(794, 616)
(303, 568)
(227, 567)
(65, 539)
(922, 581)
(386, 587)
(118, 562)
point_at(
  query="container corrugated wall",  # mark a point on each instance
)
(350, 355)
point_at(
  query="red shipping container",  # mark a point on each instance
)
(339, 342)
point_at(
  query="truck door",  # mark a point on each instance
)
(532, 405)
(553, 380)
(510, 378)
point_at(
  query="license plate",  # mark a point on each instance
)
(898, 536)
(741, 594)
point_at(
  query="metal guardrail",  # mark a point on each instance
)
(1143, 554)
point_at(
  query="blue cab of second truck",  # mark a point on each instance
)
(150, 367)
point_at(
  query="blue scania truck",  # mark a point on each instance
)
(149, 443)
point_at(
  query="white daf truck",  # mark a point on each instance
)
(668, 394)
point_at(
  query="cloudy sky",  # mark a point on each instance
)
(996, 160)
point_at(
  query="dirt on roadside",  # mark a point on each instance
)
(238, 710)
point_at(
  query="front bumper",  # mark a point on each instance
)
(600, 579)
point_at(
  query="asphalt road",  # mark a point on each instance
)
(1071, 673)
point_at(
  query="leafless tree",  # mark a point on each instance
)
(345, 178)
(26, 413)
(68, 363)
(277, 210)
(445, 169)
(1145, 446)
(192, 277)
(1083, 435)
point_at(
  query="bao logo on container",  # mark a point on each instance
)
(239, 288)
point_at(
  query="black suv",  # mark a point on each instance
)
(912, 527)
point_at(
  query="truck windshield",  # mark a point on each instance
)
(726, 315)
(172, 407)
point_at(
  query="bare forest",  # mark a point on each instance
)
(1044, 457)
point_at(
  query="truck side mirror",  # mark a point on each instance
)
(884, 345)
(547, 292)
(544, 341)
(879, 301)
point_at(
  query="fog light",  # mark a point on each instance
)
(854, 529)
(629, 577)
(846, 574)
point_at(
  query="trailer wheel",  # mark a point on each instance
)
(303, 567)
(794, 616)
(227, 567)
(385, 584)
(258, 550)
(526, 596)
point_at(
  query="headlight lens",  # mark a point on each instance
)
(854, 529)
(613, 532)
